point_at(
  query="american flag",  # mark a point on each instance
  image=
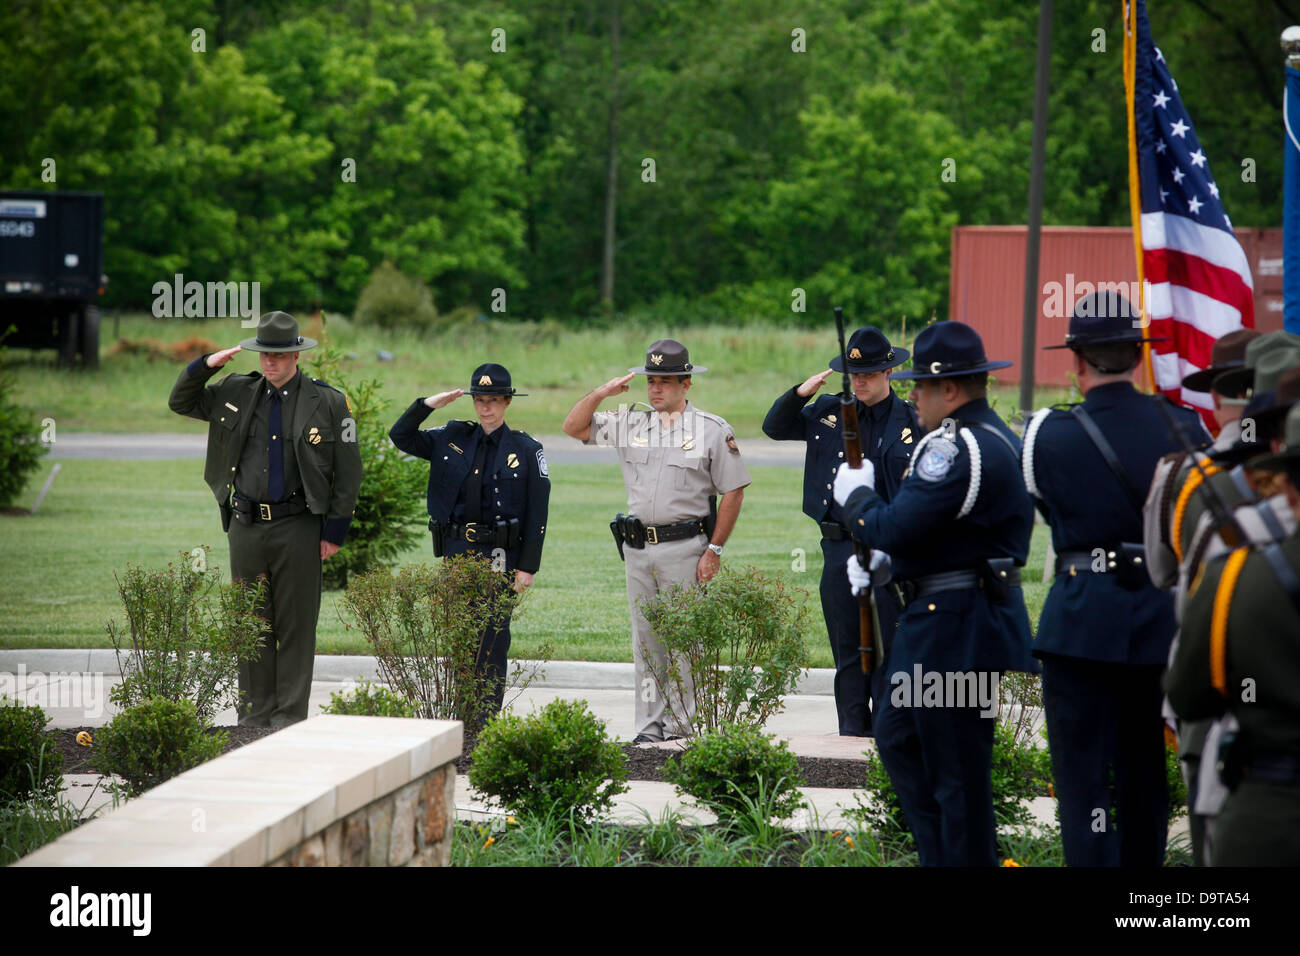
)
(1199, 284)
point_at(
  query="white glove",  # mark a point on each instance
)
(848, 480)
(879, 574)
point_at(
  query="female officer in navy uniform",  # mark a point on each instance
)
(488, 493)
(889, 432)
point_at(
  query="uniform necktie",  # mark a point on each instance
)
(474, 494)
(275, 452)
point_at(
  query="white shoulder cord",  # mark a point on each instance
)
(973, 489)
(1027, 459)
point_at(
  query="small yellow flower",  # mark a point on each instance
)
(849, 840)
(84, 738)
(490, 841)
(512, 821)
(1010, 862)
(836, 833)
(1051, 791)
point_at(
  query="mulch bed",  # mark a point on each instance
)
(76, 758)
(643, 762)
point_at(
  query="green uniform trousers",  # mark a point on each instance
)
(287, 551)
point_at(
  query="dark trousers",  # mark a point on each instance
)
(939, 760)
(854, 691)
(490, 662)
(1108, 757)
(277, 684)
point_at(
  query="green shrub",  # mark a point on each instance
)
(392, 300)
(28, 825)
(556, 760)
(31, 763)
(738, 640)
(20, 445)
(736, 766)
(389, 517)
(153, 741)
(423, 625)
(187, 630)
(371, 700)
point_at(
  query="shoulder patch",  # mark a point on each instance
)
(541, 464)
(731, 443)
(937, 459)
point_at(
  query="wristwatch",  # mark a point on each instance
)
(716, 549)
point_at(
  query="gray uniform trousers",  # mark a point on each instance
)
(652, 569)
(287, 551)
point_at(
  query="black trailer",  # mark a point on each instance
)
(52, 272)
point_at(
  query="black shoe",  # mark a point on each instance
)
(673, 737)
(644, 739)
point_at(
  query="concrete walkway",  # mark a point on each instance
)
(72, 687)
(560, 449)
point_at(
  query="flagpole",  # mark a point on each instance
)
(1033, 236)
(1134, 184)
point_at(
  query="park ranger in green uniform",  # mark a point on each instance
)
(1238, 654)
(283, 462)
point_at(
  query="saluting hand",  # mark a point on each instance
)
(615, 385)
(444, 398)
(812, 384)
(218, 359)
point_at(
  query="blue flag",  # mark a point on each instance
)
(1291, 205)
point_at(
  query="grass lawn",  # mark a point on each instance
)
(748, 368)
(56, 568)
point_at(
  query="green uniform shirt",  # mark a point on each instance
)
(253, 476)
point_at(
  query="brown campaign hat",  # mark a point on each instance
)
(668, 357)
(277, 332)
(1290, 453)
(1229, 352)
(1238, 381)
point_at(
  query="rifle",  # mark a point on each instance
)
(853, 455)
(1224, 520)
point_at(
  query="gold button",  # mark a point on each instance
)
(223, 418)
(232, 467)
(861, 522)
(931, 607)
(274, 437)
(828, 487)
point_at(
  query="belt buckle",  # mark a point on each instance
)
(652, 535)
(471, 533)
(264, 512)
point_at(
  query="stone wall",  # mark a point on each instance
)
(411, 827)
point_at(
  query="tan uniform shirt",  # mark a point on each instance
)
(670, 471)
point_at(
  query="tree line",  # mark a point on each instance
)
(692, 160)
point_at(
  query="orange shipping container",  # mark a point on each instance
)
(986, 288)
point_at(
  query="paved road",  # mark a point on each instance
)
(560, 449)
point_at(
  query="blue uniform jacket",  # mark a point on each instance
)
(1088, 615)
(820, 425)
(526, 491)
(948, 515)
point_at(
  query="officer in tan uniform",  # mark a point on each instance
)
(674, 457)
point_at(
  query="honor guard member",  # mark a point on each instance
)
(1227, 353)
(1105, 630)
(1238, 656)
(283, 462)
(489, 489)
(889, 432)
(958, 532)
(674, 458)
(1262, 522)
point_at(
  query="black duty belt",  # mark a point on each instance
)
(833, 531)
(657, 534)
(247, 510)
(499, 534)
(1275, 768)
(1127, 561)
(998, 577)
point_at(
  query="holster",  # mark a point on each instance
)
(439, 537)
(1232, 759)
(509, 531)
(627, 530)
(615, 530)
(995, 585)
(227, 512)
(1130, 566)
(712, 521)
